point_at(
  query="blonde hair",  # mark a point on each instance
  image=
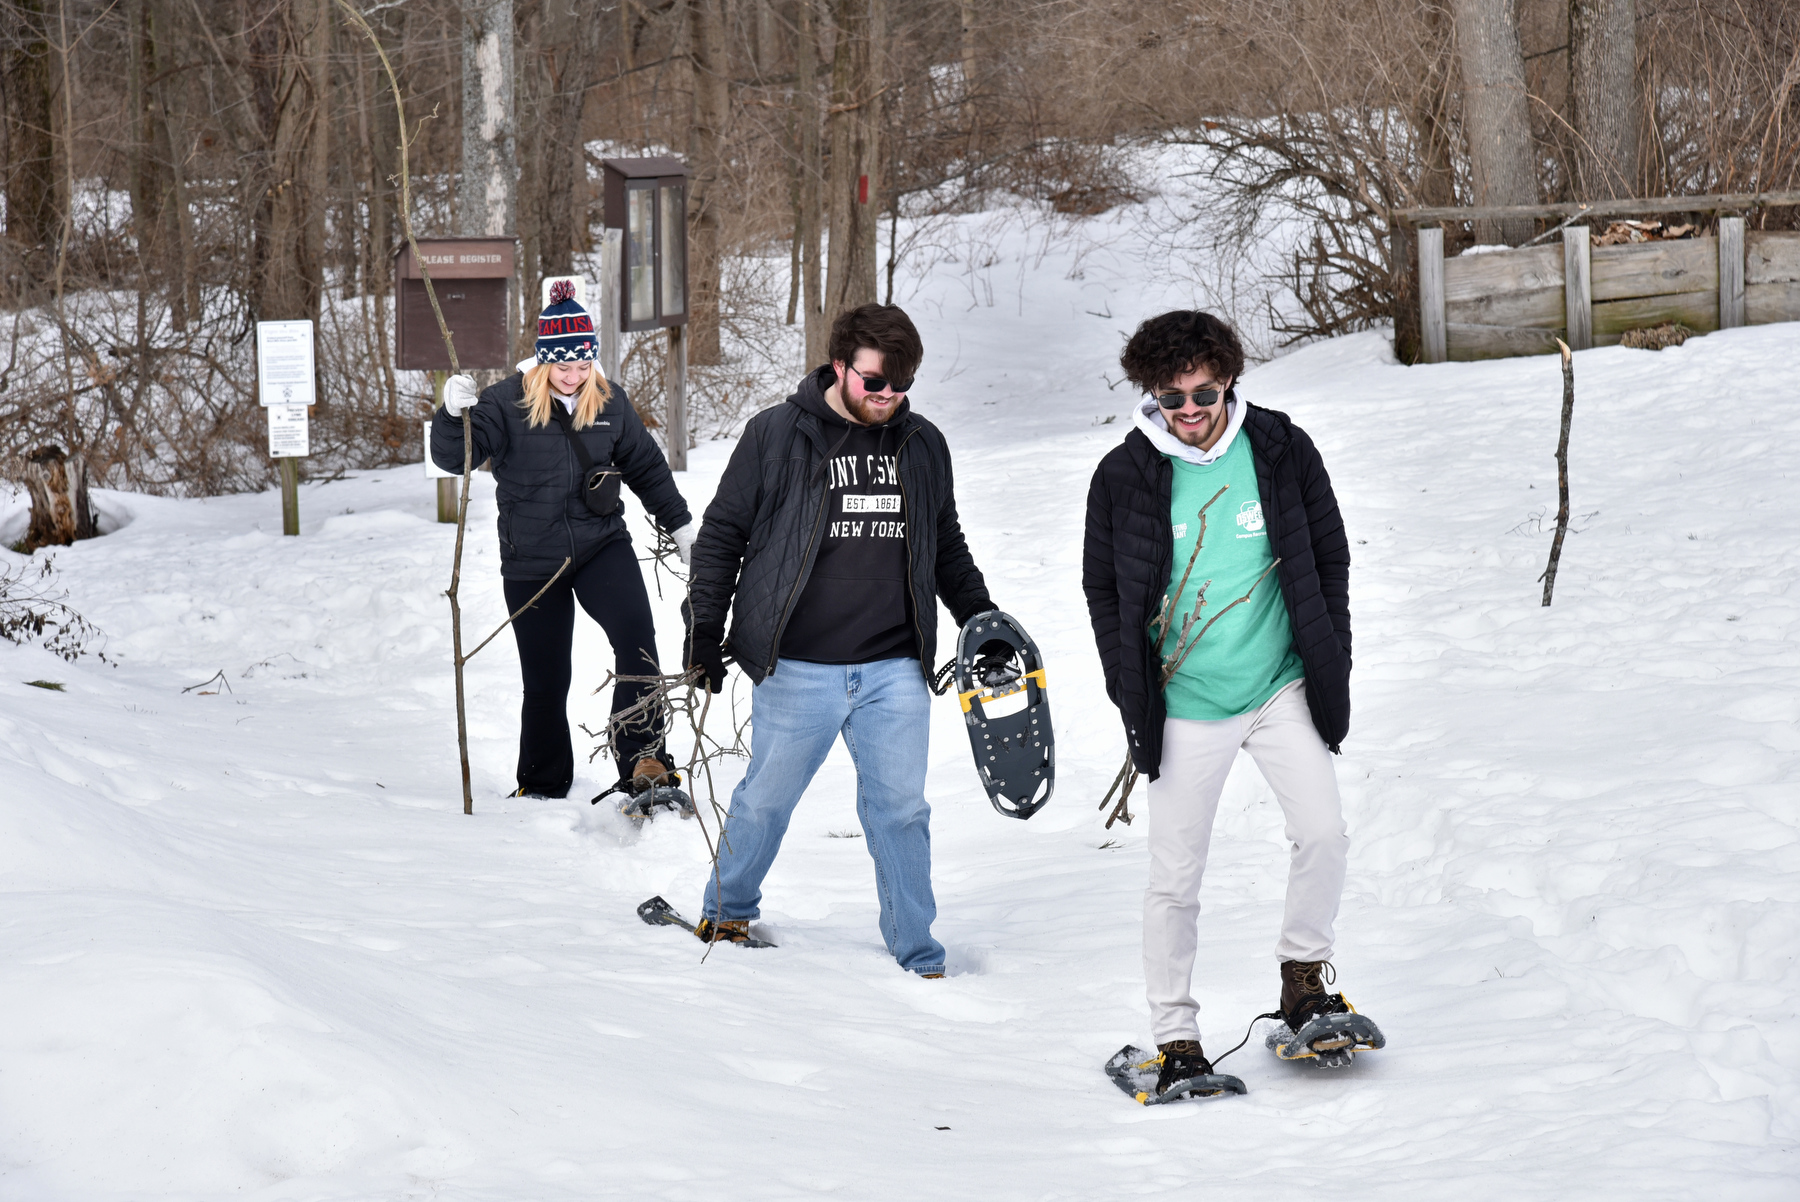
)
(588, 402)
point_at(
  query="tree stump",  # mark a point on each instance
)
(60, 512)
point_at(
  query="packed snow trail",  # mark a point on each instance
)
(254, 950)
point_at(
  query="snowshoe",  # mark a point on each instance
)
(658, 913)
(1329, 1040)
(1138, 1073)
(1000, 686)
(651, 787)
(1316, 1025)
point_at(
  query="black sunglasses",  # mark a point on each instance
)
(882, 383)
(1206, 398)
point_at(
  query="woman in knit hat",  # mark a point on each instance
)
(560, 438)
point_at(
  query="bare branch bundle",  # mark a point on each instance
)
(31, 605)
(1185, 642)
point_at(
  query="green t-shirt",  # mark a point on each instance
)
(1248, 655)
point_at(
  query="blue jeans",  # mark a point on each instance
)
(883, 711)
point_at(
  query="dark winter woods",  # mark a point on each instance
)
(175, 170)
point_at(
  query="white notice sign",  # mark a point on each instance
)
(284, 363)
(432, 470)
(288, 434)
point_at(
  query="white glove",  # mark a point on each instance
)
(684, 542)
(459, 394)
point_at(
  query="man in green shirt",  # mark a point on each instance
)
(1221, 512)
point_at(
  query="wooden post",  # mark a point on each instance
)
(290, 495)
(1731, 272)
(1405, 312)
(610, 249)
(446, 485)
(1578, 287)
(1432, 335)
(675, 386)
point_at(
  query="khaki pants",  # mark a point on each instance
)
(1196, 757)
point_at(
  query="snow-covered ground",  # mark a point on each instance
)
(253, 949)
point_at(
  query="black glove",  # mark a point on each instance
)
(710, 659)
(994, 664)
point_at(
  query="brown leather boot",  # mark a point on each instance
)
(1303, 996)
(729, 930)
(652, 771)
(1182, 1060)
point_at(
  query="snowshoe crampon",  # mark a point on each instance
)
(659, 913)
(1329, 1040)
(644, 805)
(1000, 686)
(639, 802)
(1135, 1071)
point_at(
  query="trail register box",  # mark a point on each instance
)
(470, 276)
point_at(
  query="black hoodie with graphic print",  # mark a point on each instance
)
(764, 540)
(853, 609)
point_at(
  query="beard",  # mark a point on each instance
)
(867, 414)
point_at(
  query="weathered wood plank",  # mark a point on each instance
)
(1431, 295)
(1771, 256)
(1655, 268)
(1764, 303)
(1731, 272)
(1470, 342)
(1638, 207)
(1696, 310)
(1578, 290)
(1541, 308)
(1472, 277)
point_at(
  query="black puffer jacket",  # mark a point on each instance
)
(1126, 564)
(760, 535)
(537, 477)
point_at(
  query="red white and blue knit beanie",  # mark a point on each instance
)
(565, 332)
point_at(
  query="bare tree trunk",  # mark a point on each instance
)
(1603, 91)
(32, 218)
(1496, 113)
(487, 198)
(290, 91)
(854, 203)
(60, 512)
(706, 139)
(810, 221)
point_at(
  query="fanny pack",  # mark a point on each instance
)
(599, 481)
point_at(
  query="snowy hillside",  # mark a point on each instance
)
(254, 950)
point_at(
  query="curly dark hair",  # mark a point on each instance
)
(884, 328)
(1173, 344)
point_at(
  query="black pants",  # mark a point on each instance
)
(611, 588)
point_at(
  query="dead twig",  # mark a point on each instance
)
(515, 613)
(1562, 472)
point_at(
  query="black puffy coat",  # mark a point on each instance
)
(537, 477)
(1127, 559)
(760, 535)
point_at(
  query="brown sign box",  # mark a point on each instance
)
(470, 276)
(647, 199)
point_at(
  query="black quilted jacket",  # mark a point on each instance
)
(760, 535)
(1126, 564)
(537, 477)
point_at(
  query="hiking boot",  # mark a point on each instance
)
(1182, 1060)
(1303, 996)
(728, 930)
(651, 771)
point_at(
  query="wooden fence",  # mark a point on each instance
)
(1519, 301)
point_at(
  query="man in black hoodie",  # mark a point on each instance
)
(832, 536)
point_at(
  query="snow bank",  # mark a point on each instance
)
(255, 950)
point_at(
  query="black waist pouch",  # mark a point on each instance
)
(599, 481)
